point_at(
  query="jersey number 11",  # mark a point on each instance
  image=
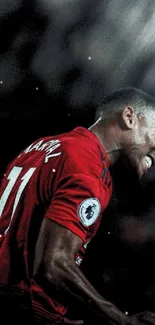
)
(12, 177)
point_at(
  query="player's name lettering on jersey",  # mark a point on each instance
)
(48, 146)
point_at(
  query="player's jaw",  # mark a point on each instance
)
(139, 162)
(144, 163)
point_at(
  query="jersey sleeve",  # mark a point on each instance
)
(76, 204)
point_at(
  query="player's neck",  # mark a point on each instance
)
(108, 136)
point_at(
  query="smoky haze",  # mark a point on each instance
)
(78, 49)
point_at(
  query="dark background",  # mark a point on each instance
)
(58, 58)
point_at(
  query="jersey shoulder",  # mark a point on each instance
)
(81, 154)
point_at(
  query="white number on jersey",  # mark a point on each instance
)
(12, 177)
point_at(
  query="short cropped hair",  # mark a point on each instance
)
(120, 98)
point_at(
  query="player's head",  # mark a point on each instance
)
(131, 112)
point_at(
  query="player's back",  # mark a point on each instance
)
(23, 194)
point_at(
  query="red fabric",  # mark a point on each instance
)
(59, 178)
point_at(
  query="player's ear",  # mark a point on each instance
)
(129, 117)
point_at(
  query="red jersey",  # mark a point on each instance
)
(64, 178)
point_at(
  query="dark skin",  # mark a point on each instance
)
(55, 265)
